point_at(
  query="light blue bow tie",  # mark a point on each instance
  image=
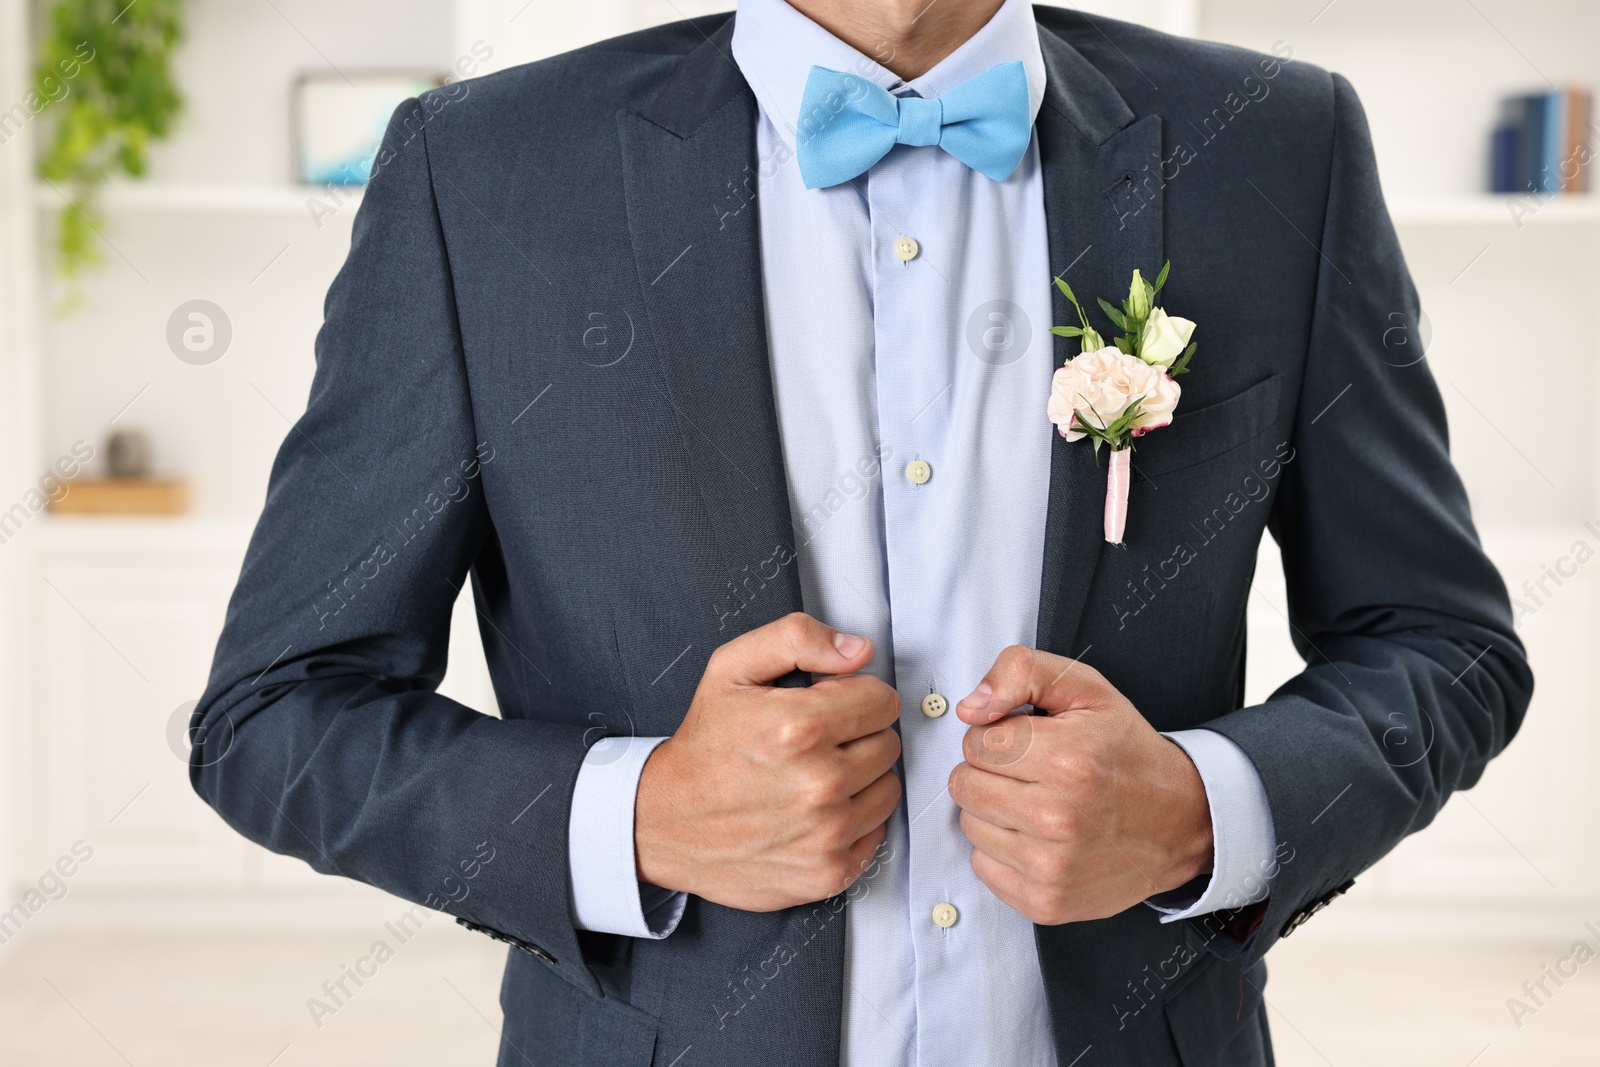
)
(847, 123)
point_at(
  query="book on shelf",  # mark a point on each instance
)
(1541, 143)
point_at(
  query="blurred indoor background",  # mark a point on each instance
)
(143, 396)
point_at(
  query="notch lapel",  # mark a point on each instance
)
(1102, 225)
(689, 165)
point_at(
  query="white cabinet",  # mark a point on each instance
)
(127, 614)
(125, 645)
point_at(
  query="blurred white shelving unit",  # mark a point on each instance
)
(219, 220)
(243, 200)
(1517, 853)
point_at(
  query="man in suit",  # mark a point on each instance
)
(716, 355)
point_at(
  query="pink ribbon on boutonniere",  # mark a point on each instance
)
(1114, 393)
(1117, 495)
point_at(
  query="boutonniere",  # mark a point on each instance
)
(1115, 393)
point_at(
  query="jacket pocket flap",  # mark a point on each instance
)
(1205, 433)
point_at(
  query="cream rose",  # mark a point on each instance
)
(1164, 339)
(1097, 387)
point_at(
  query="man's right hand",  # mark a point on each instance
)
(765, 797)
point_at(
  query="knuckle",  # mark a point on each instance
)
(820, 789)
(888, 702)
(964, 820)
(794, 627)
(972, 744)
(1068, 767)
(833, 834)
(1036, 905)
(882, 690)
(1054, 822)
(893, 747)
(1015, 659)
(886, 797)
(795, 734)
(1052, 866)
(834, 875)
(893, 794)
(958, 783)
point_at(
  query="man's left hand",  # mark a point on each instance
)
(1080, 813)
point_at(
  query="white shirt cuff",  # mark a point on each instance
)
(1246, 843)
(607, 896)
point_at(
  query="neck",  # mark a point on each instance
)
(909, 37)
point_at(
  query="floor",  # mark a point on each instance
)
(175, 1001)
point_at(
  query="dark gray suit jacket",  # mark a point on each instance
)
(544, 366)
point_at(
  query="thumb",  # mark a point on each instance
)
(796, 642)
(1022, 675)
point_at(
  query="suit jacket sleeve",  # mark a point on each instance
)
(320, 734)
(1414, 676)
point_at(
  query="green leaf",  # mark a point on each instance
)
(1083, 320)
(1181, 365)
(1124, 425)
(1067, 331)
(1113, 314)
(1125, 345)
(1161, 279)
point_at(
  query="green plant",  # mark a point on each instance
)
(106, 67)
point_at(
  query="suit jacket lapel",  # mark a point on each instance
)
(1103, 223)
(689, 164)
(1104, 220)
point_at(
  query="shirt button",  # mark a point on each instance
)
(934, 705)
(918, 472)
(906, 249)
(945, 915)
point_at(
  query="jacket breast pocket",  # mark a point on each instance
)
(1203, 434)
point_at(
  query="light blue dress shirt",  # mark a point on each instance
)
(884, 353)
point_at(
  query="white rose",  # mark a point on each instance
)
(1165, 337)
(1096, 388)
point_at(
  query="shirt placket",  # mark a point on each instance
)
(913, 368)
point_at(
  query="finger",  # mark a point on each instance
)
(994, 798)
(870, 758)
(865, 853)
(796, 642)
(872, 806)
(1003, 881)
(1014, 746)
(849, 708)
(1008, 846)
(1023, 675)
